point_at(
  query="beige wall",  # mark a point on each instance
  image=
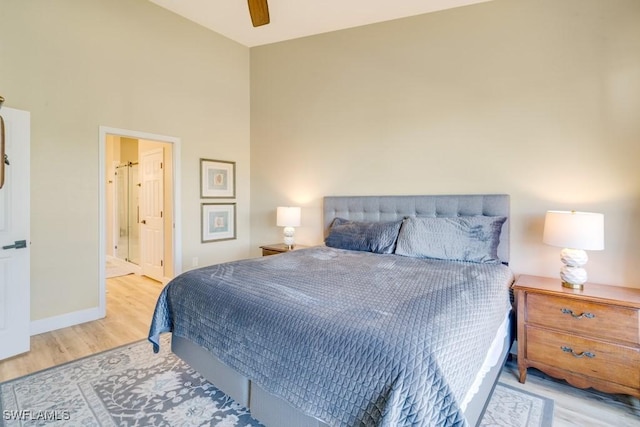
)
(537, 99)
(78, 65)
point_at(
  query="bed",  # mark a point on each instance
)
(402, 318)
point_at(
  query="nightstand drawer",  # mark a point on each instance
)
(592, 319)
(591, 358)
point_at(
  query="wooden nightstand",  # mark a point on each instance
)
(590, 337)
(278, 248)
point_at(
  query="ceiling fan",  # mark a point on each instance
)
(259, 11)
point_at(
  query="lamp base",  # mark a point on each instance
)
(572, 274)
(578, 286)
(288, 237)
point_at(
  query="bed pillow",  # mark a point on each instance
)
(464, 238)
(377, 237)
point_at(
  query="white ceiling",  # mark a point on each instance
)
(292, 19)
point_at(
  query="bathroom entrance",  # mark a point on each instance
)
(139, 209)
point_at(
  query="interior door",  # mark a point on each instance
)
(151, 213)
(14, 235)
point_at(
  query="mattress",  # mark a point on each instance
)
(346, 337)
(491, 359)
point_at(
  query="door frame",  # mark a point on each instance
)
(177, 221)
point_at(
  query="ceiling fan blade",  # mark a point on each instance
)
(259, 11)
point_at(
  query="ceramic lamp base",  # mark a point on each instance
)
(572, 274)
(288, 236)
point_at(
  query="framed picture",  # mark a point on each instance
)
(217, 179)
(218, 221)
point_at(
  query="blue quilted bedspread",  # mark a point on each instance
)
(351, 338)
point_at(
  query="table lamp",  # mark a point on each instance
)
(575, 232)
(288, 217)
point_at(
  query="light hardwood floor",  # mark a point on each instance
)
(573, 406)
(130, 303)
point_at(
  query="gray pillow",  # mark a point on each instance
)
(464, 238)
(377, 237)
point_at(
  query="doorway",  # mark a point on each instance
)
(139, 228)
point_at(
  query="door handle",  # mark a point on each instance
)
(18, 244)
(144, 221)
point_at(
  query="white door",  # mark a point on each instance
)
(151, 213)
(14, 236)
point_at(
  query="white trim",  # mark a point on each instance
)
(65, 320)
(177, 217)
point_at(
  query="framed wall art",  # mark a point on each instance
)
(218, 221)
(217, 179)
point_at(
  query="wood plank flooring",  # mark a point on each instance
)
(130, 303)
(573, 406)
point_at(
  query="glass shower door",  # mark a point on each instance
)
(127, 211)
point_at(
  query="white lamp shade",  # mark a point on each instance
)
(577, 230)
(288, 216)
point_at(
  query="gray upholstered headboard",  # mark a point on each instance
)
(389, 208)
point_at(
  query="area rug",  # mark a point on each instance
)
(116, 270)
(131, 386)
(510, 406)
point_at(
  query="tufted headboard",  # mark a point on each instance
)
(389, 208)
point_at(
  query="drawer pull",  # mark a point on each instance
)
(584, 353)
(578, 316)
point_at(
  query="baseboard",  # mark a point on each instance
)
(65, 320)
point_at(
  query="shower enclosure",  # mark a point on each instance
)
(127, 213)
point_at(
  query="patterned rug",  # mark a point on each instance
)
(131, 386)
(115, 270)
